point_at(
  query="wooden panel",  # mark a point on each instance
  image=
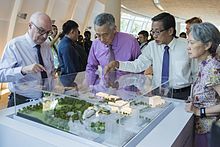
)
(4, 98)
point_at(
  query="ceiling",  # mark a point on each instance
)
(207, 10)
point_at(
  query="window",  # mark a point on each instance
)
(182, 27)
(134, 23)
(136, 27)
(124, 25)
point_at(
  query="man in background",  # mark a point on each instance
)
(143, 38)
(87, 41)
(191, 21)
(183, 35)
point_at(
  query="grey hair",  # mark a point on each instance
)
(105, 18)
(206, 32)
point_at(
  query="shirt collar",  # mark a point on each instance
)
(66, 38)
(171, 44)
(30, 41)
(115, 40)
(144, 43)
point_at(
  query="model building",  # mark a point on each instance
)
(106, 96)
(155, 101)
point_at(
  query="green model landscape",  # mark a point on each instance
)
(59, 116)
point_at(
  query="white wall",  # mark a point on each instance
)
(29, 7)
(62, 11)
(81, 11)
(98, 8)
(3, 35)
(5, 14)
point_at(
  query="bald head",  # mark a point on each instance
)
(39, 18)
(40, 25)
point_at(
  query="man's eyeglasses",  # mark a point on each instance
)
(42, 31)
(157, 32)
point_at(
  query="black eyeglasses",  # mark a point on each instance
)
(157, 32)
(42, 31)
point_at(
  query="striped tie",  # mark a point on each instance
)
(112, 75)
(111, 54)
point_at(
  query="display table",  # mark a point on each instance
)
(174, 130)
(88, 110)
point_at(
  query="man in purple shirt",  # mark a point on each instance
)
(124, 47)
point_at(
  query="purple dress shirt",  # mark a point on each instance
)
(125, 47)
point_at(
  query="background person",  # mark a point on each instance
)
(53, 39)
(191, 21)
(183, 35)
(87, 41)
(71, 61)
(143, 38)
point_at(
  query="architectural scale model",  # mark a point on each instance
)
(100, 121)
(155, 101)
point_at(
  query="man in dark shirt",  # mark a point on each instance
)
(71, 58)
(87, 41)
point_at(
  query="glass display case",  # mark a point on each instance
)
(109, 110)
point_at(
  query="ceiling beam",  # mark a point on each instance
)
(13, 19)
(89, 15)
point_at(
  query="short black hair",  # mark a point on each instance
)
(87, 33)
(53, 25)
(167, 19)
(144, 33)
(67, 27)
(183, 34)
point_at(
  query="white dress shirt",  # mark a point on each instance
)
(181, 70)
(144, 44)
(20, 52)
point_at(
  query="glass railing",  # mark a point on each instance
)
(113, 110)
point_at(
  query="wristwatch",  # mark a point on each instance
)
(202, 112)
